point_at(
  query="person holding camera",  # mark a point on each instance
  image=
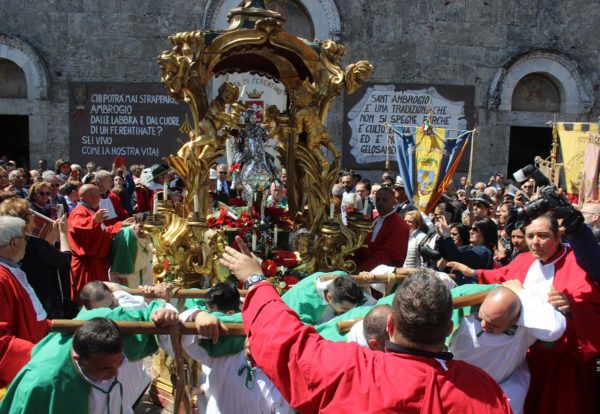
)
(479, 254)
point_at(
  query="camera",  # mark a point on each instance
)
(549, 200)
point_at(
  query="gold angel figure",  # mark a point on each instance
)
(307, 120)
(211, 127)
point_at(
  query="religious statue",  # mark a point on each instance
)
(307, 120)
(257, 171)
(211, 127)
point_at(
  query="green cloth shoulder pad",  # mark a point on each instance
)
(123, 251)
(303, 298)
(226, 345)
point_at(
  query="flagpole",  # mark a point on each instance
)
(471, 157)
(387, 146)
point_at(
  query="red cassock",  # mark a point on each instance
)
(563, 376)
(90, 245)
(19, 328)
(122, 214)
(389, 247)
(319, 376)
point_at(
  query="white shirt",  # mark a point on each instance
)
(129, 376)
(501, 355)
(379, 222)
(357, 334)
(413, 258)
(540, 276)
(225, 390)
(132, 376)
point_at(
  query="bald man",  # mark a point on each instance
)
(387, 243)
(591, 214)
(371, 332)
(496, 339)
(89, 239)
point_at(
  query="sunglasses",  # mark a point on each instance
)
(474, 229)
(55, 185)
(44, 193)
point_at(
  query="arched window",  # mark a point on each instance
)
(13, 83)
(536, 93)
(298, 21)
(310, 19)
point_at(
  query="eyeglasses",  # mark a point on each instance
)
(44, 193)
(222, 172)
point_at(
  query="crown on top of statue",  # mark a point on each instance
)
(254, 94)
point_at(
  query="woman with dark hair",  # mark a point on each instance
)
(517, 240)
(39, 197)
(460, 234)
(483, 237)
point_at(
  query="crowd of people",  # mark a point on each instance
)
(68, 234)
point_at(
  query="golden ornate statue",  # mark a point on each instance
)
(255, 42)
(307, 121)
(303, 243)
(212, 127)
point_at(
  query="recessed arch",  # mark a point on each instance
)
(575, 90)
(324, 14)
(27, 58)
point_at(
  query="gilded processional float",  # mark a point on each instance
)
(189, 237)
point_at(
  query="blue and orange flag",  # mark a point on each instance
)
(427, 160)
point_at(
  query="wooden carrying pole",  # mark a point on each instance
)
(366, 278)
(458, 302)
(178, 293)
(144, 328)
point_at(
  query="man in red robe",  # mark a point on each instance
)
(90, 240)
(23, 320)
(563, 376)
(314, 375)
(388, 242)
(151, 181)
(109, 201)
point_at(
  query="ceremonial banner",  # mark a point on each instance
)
(589, 176)
(574, 138)
(427, 162)
(370, 111)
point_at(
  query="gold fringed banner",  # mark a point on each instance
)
(574, 138)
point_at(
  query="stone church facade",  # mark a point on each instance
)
(528, 63)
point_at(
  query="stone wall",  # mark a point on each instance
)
(455, 42)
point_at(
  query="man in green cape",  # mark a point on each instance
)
(59, 379)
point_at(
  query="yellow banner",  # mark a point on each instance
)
(574, 138)
(428, 154)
